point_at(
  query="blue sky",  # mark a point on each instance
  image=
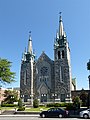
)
(18, 17)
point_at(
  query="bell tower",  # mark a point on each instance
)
(26, 74)
(62, 64)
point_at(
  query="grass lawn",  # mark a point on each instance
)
(7, 108)
(36, 109)
(26, 109)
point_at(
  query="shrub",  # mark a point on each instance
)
(76, 102)
(56, 105)
(63, 104)
(20, 103)
(35, 103)
(21, 109)
(69, 106)
(50, 105)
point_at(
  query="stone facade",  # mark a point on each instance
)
(25, 83)
(47, 79)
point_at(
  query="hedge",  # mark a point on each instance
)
(8, 105)
(68, 106)
(56, 105)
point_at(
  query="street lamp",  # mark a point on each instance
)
(54, 95)
(31, 96)
(22, 97)
(12, 97)
(43, 97)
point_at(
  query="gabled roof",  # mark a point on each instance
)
(44, 57)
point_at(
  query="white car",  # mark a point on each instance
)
(85, 114)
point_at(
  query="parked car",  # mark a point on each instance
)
(54, 112)
(85, 114)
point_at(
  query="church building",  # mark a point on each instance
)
(45, 79)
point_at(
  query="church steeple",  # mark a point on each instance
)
(30, 44)
(62, 67)
(61, 29)
(61, 37)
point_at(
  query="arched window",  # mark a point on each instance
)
(58, 54)
(25, 77)
(61, 74)
(62, 53)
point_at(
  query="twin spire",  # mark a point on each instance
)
(29, 49)
(59, 35)
(61, 28)
(30, 44)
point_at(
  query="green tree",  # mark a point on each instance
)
(84, 97)
(10, 96)
(6, 76)
(76, 102)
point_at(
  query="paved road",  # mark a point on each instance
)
(34, 118)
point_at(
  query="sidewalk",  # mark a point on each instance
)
(18, 113)
(15, 115)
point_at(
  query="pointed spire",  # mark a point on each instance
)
(30, 44)
(61, 29)
(57, 36)
(65, 35)
(24, 55)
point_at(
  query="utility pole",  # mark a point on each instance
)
(32, 81)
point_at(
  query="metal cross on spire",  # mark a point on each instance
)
(60, 13)
(30, 35)
(60, 18)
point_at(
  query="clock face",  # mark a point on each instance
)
(44, 71)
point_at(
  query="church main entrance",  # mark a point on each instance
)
(62, 97)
